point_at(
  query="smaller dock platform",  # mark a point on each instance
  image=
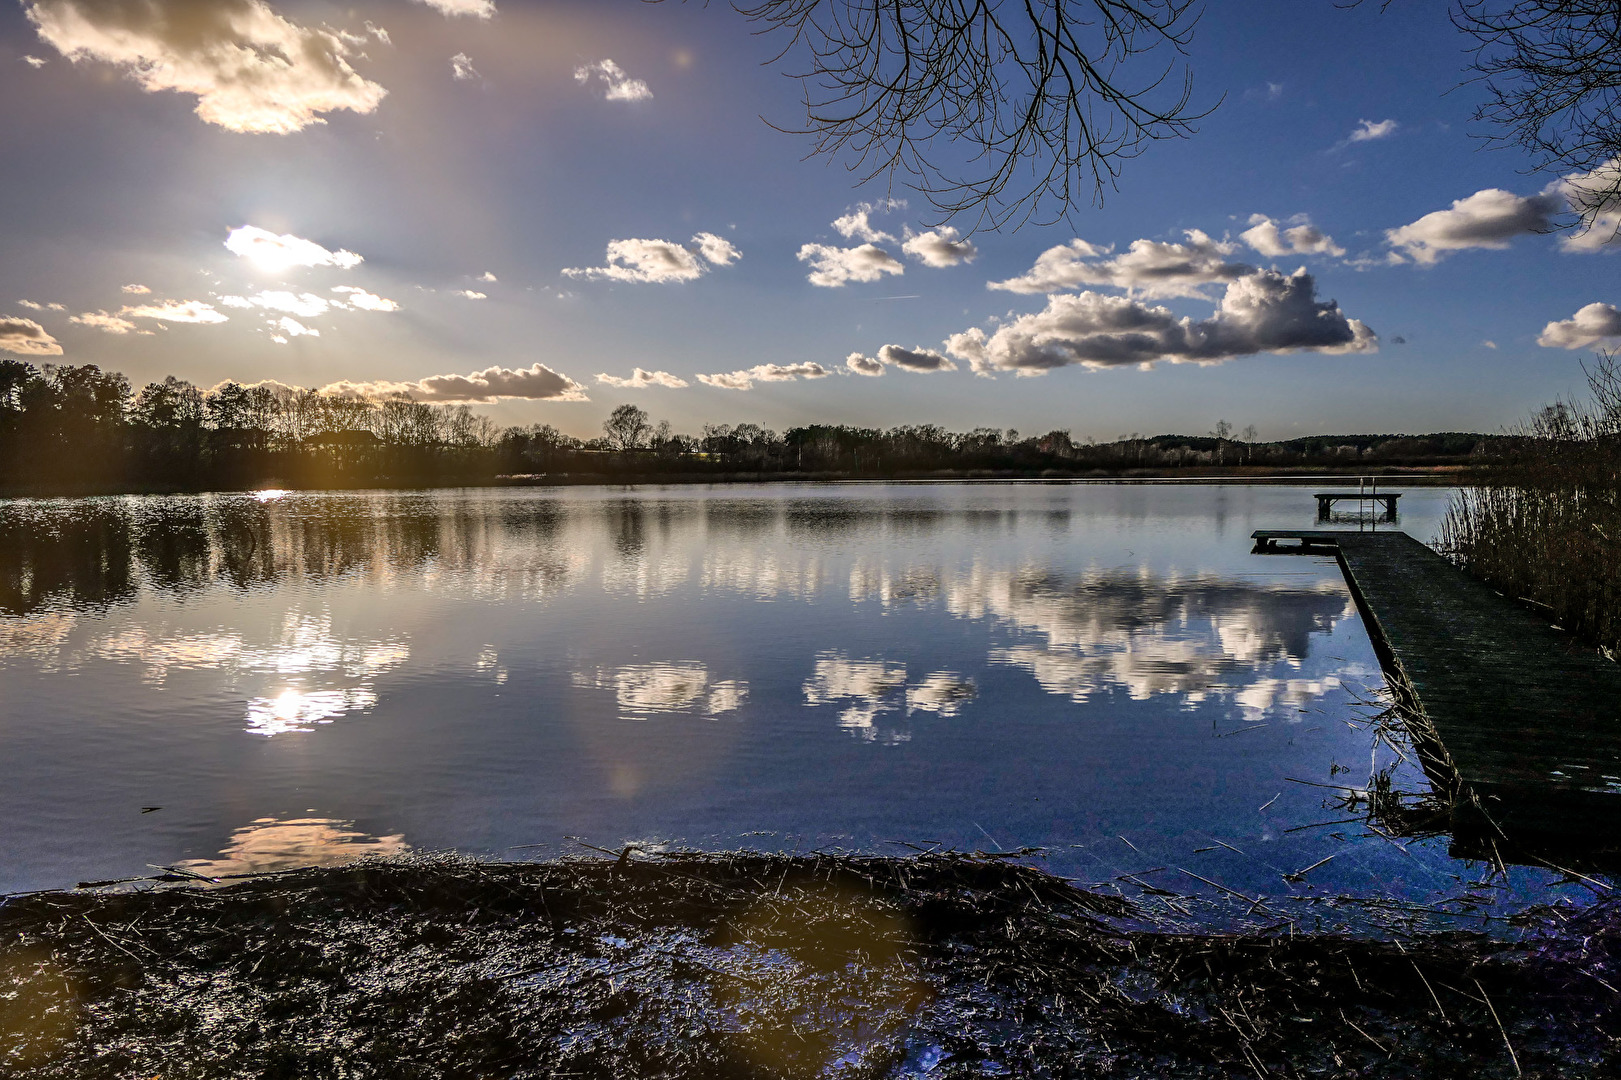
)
(1327, 499)
(1528, 720)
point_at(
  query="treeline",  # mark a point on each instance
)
(68, 428)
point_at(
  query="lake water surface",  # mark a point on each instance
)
(240, 682)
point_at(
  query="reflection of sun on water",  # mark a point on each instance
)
(297, 710)
(269, 494)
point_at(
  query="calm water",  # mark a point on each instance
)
(1103, 671)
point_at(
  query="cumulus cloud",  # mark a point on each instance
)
(469, 294)
(716, 249)
(250, 69)
(659, 262)
(177, 311)
(488, 276)
(863, 365)
(25, 337)
(832, 267)
(1266, 237)
(366, 301)
(292, 328)
(940, 248)
(306, 305)
(857, 224)
(32, 305)
(107, 323)
(478, 9)
(920, 360)
(1368, 130)
(620, 86)
(1264, 311)
(34, 62)
(1486, 219)
(1151, 268)
(746, 378)
(536, 383)
(461, 67)
(138, 290)
(275, 253)
(1592, 325)
(640, 379)
(1593, 196)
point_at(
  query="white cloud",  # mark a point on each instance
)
(621, 87)
(1486, 219)
(103, 321)
(34, 62)
(640, 379)
(832, 267)
(138, 290)
(251, 69)
(1264, 311)
(746, 378)
(536, 383)
(716, 249)
(478, 9)
(1593, 196)
(1489, 344)
(857, 224)
(1149, 268)
(306, 304)
(660, 261)
(919, 360)
(25, 337)
(366, 301)
(177, 311)
(461, 67)
(1592, 325)
(1368, 130)
(863, 365)
(469, 294)
(487, 276)
(940, 248)
(1265, 236)
(379, 33)
(32, 305)
(293, 328)
(275, 253)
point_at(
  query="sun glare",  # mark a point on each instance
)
(269, 494)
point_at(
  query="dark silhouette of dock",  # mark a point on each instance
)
(1528, 720)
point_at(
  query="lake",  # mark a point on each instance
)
(248, 682)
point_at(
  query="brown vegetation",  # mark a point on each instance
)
(1545, 526)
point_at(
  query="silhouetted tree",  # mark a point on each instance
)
(627, 428)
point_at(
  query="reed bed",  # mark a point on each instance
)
(769, 965)
(1545, 524)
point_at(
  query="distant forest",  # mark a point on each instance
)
(78, 428)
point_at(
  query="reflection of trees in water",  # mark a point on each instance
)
(96, 552)
(76, 554)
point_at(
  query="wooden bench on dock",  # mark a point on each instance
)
(1528, 720)
(1327, 499)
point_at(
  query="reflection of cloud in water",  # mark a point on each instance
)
(680, 686)
(39, 637)
(268, 844)
(307, 650)
(642, 576)
(870, 688)
(763, 573)
(1195, 637)
(943, 693)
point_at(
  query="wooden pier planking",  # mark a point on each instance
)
(1528, 719)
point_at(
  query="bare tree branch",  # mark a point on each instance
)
(1001, 109)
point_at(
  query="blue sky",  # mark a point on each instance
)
(473, 147)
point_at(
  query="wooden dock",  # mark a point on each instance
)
(1526, 719)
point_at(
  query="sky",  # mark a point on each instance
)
(550, 208)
